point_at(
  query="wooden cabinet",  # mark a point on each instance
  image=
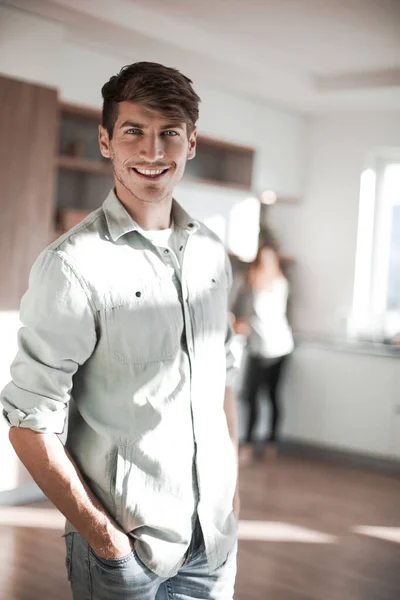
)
(395, 421)
(343, 400)
(359, 402)
(28, 131)
(221, 163)
(305, 396)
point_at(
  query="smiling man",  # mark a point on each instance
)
(125, 331)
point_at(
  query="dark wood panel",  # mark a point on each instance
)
(28, 130)
(78, 110)
(83, 165)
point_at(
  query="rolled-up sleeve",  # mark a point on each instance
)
(58, 335)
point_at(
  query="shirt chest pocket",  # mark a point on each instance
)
(146, 327)
(211, 305)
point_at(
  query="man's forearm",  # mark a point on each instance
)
(58, 477)
(231, 416)
(233, 427)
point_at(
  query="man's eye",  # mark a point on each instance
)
(170, 133)
(133, 131)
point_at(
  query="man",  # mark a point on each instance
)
(126, 315)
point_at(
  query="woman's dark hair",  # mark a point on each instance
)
(156, 87)
(269, 244)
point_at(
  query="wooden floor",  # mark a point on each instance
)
(309, 547)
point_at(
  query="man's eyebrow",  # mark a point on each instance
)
(172, 126)
(142, 126)
(133, 124)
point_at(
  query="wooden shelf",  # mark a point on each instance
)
(287, 259)
(76, 110)
(216, 183)
(204, 140)
(84, 165)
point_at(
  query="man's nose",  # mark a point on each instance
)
(152, 148)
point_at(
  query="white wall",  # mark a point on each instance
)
(321, 230)
(30, 47)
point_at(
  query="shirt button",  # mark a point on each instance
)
(166, 251)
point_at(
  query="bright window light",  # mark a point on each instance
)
(390, 534)
(393, 280)
(386, 200)
(376, 299)
(244, 227)
(364, 252)
(271, 531)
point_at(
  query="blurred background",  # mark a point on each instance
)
(299, 139)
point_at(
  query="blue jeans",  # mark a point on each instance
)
(94, 578)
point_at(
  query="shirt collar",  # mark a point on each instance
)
(120, 222)
(182, 219)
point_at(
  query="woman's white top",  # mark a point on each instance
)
(270, 333)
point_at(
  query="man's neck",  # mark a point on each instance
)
(150, 216)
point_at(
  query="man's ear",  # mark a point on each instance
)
(192, 145)
(104, 142)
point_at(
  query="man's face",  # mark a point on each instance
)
(148, 153)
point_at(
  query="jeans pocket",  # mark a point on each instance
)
(69, 543)
(112, 563)
(121, 578)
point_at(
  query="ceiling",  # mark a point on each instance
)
(306, 55)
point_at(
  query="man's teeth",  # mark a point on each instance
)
(150, 173)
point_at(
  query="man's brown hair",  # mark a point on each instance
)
(156, 87)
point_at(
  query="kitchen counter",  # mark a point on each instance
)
(348, 345)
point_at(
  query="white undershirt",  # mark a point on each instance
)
(170, 239)
(165, 238)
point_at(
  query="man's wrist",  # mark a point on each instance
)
(102, 535)
(112, 543)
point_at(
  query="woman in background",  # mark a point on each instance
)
(260, 313)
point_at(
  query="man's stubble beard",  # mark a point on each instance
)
(121, 180)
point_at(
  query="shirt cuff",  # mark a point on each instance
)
(42, 422)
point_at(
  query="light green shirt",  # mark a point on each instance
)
(144, 357)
